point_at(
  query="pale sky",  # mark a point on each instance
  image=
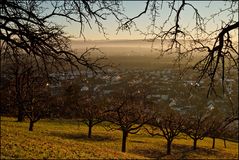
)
(133, 8)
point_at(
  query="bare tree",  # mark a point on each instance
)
(17, 71)
(84, 101)
(29, 91)
(198, 125)
(221, 122)
(231, 133)
(91, 104)
(218, 129)
(92, 114)
(168, 124)
(127, 112)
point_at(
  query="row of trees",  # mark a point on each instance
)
(127, 108)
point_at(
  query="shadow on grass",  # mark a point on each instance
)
(136, 141)
(81, 136)
(149, 153)
(184, 151)
(177, 152)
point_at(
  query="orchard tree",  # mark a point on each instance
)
(83, 100)
(198, 125)
(219, 128)
(231, 133)
(36, 97)
(128, 112)
(91, 115)
(23, 75)
(91, 104)
(34, 94)
(15, 73)
(207, 117)
(222, 121)
(168, 124)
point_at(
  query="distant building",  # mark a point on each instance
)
(164, 97)
(210, 105)
(84, 88)
(172, 102)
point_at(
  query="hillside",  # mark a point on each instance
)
(68, 139)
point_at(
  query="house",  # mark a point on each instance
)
(164, 97)
(172, 102)
(210, 105)
(84, 88)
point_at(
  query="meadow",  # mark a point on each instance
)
(67, 139)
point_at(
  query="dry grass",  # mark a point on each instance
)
(67, 139)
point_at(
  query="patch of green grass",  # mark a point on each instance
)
(68, 139)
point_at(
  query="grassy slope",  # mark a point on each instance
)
(58, 139)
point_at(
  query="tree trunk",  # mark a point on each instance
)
(125, 134)
(31, 126)
(225, 145)
(21, 115)
(169, 147)
(213, 142)
(194, 144)
(90, 129)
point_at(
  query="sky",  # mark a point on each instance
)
(133, 8)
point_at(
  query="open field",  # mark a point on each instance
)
(68, 139)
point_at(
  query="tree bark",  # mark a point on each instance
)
(213, 142)
(31, 126)
(125, 134)
(21, 115)
(169, 147)
(225, 145)
(90, 129)
(194, 144)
